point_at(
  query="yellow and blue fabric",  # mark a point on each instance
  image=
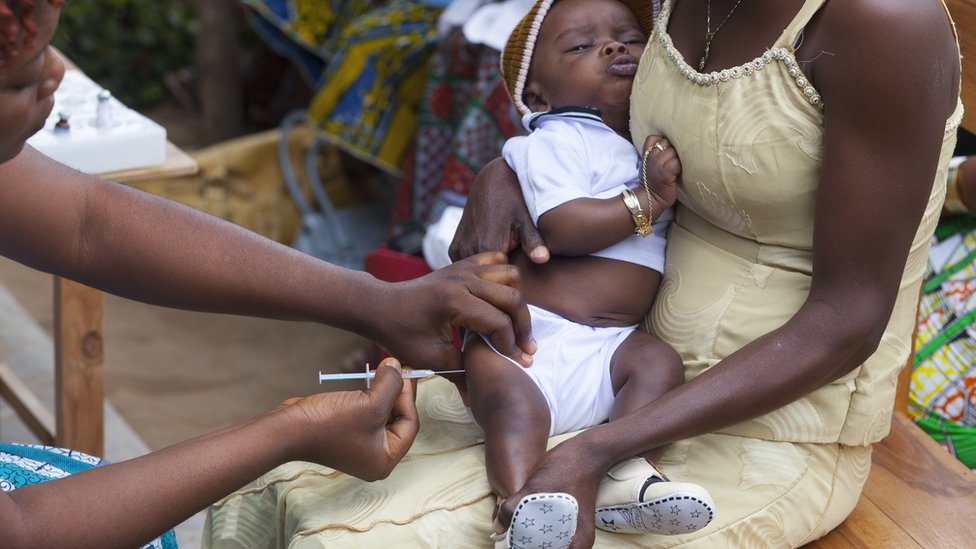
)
(367, 62)
(24, 464)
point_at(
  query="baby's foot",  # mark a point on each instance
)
(635, 498)
(540, 521)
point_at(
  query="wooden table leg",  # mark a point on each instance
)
(78, 367)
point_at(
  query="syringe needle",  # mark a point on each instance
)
(406, 374)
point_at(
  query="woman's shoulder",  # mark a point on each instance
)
(884, 22)
(880, 44)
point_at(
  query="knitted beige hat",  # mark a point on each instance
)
(517, 54)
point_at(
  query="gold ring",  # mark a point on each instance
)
(660, 145)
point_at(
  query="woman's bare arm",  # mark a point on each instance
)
(150, 249)
(127, 504)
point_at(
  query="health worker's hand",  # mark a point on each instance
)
(362, 433)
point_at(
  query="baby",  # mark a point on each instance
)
(569, 66)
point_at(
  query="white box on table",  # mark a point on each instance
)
(132, 141)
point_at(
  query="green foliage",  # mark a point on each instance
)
(127, 46)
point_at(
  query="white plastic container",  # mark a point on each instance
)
(131, 140)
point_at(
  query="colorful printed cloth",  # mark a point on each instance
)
(943, 390)
(23, 464)
(464, 120)
(366, 61)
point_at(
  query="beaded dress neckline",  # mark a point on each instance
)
(782, 54)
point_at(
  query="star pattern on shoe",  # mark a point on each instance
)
(636, 498)
(678, 514)
(543, 521)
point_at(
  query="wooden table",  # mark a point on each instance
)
(79, 393)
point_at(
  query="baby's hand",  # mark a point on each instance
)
(661, 168)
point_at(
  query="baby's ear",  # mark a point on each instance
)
(534, 99)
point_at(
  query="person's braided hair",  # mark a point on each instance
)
(17, 27)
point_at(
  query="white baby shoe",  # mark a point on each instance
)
(540, 521)
(635, 498)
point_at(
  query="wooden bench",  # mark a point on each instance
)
(917, 494)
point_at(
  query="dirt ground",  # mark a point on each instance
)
(176, 374)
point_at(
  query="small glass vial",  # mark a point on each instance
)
(103, 112)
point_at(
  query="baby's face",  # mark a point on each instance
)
(586, 55)
(27, 84)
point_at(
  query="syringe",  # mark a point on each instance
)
(370, 375)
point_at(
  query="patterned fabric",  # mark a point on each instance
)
(464, 119)
(23, 464)
(943, 390)
(366, 61)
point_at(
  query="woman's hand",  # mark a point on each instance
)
(495, 217)
(417, 318)
(362, 433)
(662, 169)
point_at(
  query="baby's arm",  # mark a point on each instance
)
(586, 225)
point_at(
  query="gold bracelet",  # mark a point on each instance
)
(647, 189)
(953, 202)
(642, 225)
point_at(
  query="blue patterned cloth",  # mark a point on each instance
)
(24, 464)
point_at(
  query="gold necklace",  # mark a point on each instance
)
(710, 34)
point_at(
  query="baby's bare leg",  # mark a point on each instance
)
(634, 497)
(508, 405)
(642, 369)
